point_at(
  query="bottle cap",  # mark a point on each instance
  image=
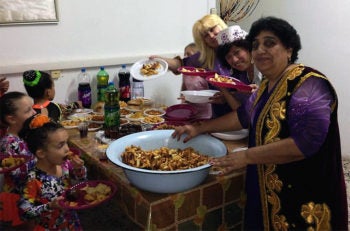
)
(136, 80)
(110, 84)
(102, 67)
(83, 69)
(123, 66)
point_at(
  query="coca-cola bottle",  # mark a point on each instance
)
(124, 84)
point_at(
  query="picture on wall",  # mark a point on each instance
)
(233, 11)
(28, 11)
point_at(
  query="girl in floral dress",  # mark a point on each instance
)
(53, 173)
(15, 108)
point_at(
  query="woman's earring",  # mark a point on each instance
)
(289, 59)
(252, 61)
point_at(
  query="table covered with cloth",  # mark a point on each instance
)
(217, 203)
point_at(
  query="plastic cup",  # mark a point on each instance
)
(83, 129)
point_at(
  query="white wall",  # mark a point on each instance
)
(324, 34)
(320, 23)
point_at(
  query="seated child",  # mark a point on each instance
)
(54, 172)
(41, 87)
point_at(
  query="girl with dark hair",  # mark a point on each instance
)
(41, 87)
(56, 170)
(15, 108)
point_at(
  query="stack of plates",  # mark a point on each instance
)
(180, 112)
(233, 135)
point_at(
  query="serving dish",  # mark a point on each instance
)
(74, 197)
(12, 162)
(137, 66)
(198, 96)
(154, 112)
(229, 82)
(195, 71)
(180, 112)
(165, 181)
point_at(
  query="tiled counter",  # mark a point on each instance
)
(215, 204)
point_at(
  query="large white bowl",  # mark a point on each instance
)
(198, 96)
(165, 181)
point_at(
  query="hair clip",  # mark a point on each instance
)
(31, 78)
(38, 121)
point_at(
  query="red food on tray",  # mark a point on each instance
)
(195, 71)
(88, 194)
(9, 163)
(228, 82)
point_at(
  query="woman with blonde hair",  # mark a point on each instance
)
(204, 33)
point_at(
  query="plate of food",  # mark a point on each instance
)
(168, 125)
(80, 117)
(147, 69)
(195, 71)
(9, 163)
(124, 112)
(140, 101)
(94, 127)
(136, 116)
(228, 82)
(152, 120)
(97, 118)
(87, 194)
(154, 112)
(69, 124)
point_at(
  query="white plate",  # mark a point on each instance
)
(233, 135)
(64, 122)
(198, 96)
(83, 110)
(159, 111)
(136, 67)
(80, 116)
(131, 118)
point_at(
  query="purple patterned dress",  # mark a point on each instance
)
(304, 194)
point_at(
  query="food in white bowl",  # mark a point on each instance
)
(165, 181)
(152, 120)
(154, 112)
(201, 96)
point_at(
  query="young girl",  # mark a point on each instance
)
(53, 173)
(15, 108)
(41, 87)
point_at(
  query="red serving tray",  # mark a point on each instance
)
(180, 112)
(195, 71)
(6, 170)
(82, 203)
(240, 86)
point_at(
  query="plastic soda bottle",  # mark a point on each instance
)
(124, 84)
(84, 88)
(112, 112)
(102, 83)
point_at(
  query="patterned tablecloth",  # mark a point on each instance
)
(215, 204)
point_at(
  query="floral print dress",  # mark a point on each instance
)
(12, 181)
(40, 189)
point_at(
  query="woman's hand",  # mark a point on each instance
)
(76, 162)
(217, 98)
(232, 161)
(190, 130)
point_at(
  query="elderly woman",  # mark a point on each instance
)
(294, 174)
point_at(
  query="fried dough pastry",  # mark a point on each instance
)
(150, 68)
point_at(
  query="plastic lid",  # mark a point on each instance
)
(102, 67)
(136, 80)
(83, 69)
(123, 66)
(110, 84)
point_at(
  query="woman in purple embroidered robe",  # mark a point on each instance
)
(294, 175)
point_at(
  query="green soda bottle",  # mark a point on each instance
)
(112, 112)
(102, 83)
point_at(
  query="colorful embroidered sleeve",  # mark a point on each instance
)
(31, 205)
